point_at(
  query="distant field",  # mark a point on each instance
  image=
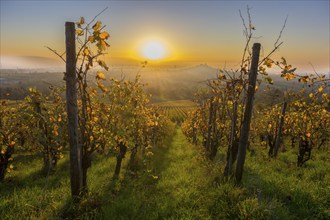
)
(176, 110)
(172, 83)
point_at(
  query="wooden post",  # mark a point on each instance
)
(244, 136)
(72, 111)
(279, 132)
(232, 147)
(209, 128)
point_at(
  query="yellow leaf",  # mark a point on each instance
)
(304, 79)
(12, 143)
(11, 166)
(97, 26)
(320, 89)
(79, 32)
(103, 64)
(102, 87)
(102, 45)
(100, 75)
(311, 95)
(55, 130)
(269, 80)
(289, 76)
(91, 39)
(268, 63)
(155, 177)
(82, 20)
(86, 51)
(322, 77)
(104, 35)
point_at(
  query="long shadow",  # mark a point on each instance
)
(139, 184)
(122, 190)
(299, 202)
(133, 196)
(161, 154)
(38, 178)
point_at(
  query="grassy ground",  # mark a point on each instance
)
(178, 193)
(182, 185)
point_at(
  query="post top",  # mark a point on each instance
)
(256, 45)
(69, 23)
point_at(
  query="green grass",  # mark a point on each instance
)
(303, 193)
(188, 187)
(176, 194)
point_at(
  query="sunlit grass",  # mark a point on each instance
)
(181, 185)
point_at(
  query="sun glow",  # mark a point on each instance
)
(153, 50)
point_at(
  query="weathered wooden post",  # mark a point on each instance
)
(232, 147)
(72, 111)
(280, 128)
(244, 136)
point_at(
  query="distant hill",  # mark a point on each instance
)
(31, 62)
(163, 82)
(166, 83)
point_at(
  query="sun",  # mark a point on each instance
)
(153, 50)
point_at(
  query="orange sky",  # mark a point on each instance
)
(201, 32)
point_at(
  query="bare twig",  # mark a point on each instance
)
(280, 35)
(95, 18)
(314, 69)
(269, 54)
(55, 52)
(248, 35)
(245, 31)
(276, 44)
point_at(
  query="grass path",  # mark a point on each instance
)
(178, 193)
(181, 185)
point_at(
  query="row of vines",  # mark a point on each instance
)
(302, 117)
(176, 113)
(114, 117)
(120, 122)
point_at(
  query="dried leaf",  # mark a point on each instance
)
(103, 64)
(97, 26)
(100, 75)
(91, 39)
(86, 51)
(79, 32)
(104, 35)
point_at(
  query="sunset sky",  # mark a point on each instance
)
(189, 31)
